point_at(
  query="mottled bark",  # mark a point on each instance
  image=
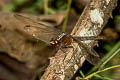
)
(64, 65)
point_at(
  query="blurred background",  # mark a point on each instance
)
(111, 32)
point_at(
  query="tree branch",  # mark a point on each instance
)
(64, 65)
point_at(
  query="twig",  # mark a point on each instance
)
(64, 65)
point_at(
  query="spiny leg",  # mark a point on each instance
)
(66, 47)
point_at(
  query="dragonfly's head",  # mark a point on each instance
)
(55, 41)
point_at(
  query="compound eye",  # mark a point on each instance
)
(56, 42)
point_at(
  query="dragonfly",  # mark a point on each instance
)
(56, 38)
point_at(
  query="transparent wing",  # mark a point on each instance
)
(92, 56)
(38, 30)
(92, 59)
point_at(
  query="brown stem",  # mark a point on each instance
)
(91, 23)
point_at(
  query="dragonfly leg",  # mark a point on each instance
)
(63, 52)
(69, 47)
(63, 47)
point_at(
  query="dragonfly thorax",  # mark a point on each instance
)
(56, 40)
(62, 39)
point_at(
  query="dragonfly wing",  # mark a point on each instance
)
(92, 59)
(92, 56)
(40, 31)
(30, 20)
(89, 50)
